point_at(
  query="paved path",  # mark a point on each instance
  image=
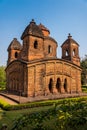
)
(8, 100)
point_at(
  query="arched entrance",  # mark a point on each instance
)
(58, 85)
(65, 85)
(51, 85)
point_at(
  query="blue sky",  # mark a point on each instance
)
(59, 16)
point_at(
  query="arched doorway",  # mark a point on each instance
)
(51, 85)
(58, 85)
(65, 85)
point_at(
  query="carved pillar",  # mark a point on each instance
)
(79, 82)
(25, 82)
(71, 80)
(62, 87)
(62, 80)
(34, 93)
(47, 86)
(67, 86)
(54, 88)
(54, 83)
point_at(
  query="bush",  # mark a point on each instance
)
(69, 115)
(2, 78)
(4, 105)
(84, 88)
(43, 103)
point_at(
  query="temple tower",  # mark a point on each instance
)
(70, 50)
(14, 50)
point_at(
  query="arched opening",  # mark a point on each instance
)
(49, 49)
(35, 44)
(16, 54)
(65, 85)
(51, 85)
(74, 52)
(58, 85)
(67, 53)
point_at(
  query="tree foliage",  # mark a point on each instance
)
(69, 115)
(2, 76)
(84, 71)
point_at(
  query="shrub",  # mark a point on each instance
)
(3, 104)
(68, 115)
(42, 103)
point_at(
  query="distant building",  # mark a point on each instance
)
(34, 69)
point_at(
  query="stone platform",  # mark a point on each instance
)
(21, 99)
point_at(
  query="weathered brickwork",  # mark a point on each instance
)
(33, 68)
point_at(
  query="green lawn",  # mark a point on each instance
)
(8, 117)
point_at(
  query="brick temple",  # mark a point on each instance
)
(34, 69)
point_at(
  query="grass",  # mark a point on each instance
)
(8, 117)
(68, 115)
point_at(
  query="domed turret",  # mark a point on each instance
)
(33, 42)
(15, 45)
(32, 29)
(14, 50)
(70, 50)
(45, 31)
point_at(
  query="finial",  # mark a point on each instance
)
(69, 36)
(15, 39)
(32, 21)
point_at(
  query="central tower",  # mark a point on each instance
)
(37, 44)
(32, 42)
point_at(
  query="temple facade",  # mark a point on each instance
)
(34, 69)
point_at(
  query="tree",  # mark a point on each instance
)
(2, 77)
(84, 71)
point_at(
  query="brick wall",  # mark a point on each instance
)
(40, 73)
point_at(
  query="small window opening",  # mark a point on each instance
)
(73, 52)
(16, 54)
(35, 44)
(49, 49)
(67, 53)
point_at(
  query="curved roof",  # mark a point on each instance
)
(15, 44)
(32, 29)
(43, 27)
(69, 40)
(50, 38)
